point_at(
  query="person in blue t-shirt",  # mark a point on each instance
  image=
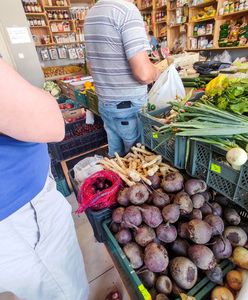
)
(151, 38)
(40, 257)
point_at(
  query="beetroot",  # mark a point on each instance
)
(185, 204)
(134, 254)
(182, 230)
(151, 215)
(171, 213)
(216, 209)
(132, 216)
(117, 215)
(172, 182)
(221, 248)
(216, 223)
(199, 231)
(166, 233)
(164, 285)
(206, 209)
(122, 198)
(161, 297)
(215, 275)
(148, 278)
(231, 216)
(198, 200)
(180, 247)
(156, 258)
(138, 194)
(159, 198)
(115, 227)
(222, 200)
(155, 180)
(124, 236)
(196, 214)
(144, 235)
(202, 257)
(195, 186)
(236, 235)
(184, 272)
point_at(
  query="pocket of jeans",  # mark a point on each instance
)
(128, 128)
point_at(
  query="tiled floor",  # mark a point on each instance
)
(101, 273)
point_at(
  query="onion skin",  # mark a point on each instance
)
(156, 258)
(195, 186)
(199, 231)
(202, 257)
(236, 235)
(222, 248)
(184, 272)
(173, 182)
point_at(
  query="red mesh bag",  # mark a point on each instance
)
(88, 197)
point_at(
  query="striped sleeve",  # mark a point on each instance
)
(133, 34)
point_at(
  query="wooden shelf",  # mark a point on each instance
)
(220, 48)
(35, 14)
(39, 26)
(62, 20)
(161, 7)
(56, 7)
(45, 45)
(176, 25)
(202, 20)
(161, 22)
(206, 3)
(206, 34)
(62, 76)
(234, 13)
(62, 32)
(207, 49)
(146, 8)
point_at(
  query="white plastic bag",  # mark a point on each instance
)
(168, 87)
(86, 167)
(90, 119)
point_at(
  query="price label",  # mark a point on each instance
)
(216, 168)
(155, 135)
(144, 292)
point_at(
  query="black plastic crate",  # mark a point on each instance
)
(56, 170)
(76, 142)
(207, 162)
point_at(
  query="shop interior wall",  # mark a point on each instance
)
(22, 56)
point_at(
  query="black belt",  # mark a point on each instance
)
(124, 104)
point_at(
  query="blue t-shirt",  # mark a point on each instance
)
(23, 171)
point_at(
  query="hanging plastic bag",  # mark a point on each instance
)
(86, 167)
(168, 87)
(90, 194)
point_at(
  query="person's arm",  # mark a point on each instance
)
(142, 68)
(136, 45)
(27, 113)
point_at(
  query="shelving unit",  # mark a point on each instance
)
(180, 19)
(58, 28)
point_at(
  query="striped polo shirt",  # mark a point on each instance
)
(114, 33)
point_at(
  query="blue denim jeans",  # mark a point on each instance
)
(121, 125)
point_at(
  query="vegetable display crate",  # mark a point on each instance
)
(56, 170)
(62, 187)
(207, 162)
(201, 291)
(92, 101)
(80, 97)
(172, 149)
(76, 142)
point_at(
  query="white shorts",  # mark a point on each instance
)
(40, 258)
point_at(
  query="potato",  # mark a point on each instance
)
(183, 272)
(240, 257)
(221, 293)
(234, 280)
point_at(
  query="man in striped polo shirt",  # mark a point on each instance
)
(116, 45)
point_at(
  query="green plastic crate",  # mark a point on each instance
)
(62, 187)
(201, 291)
(206, 162)
(92, 102)
(81, 97)
(173, 149)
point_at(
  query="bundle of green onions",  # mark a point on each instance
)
(211, 125)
